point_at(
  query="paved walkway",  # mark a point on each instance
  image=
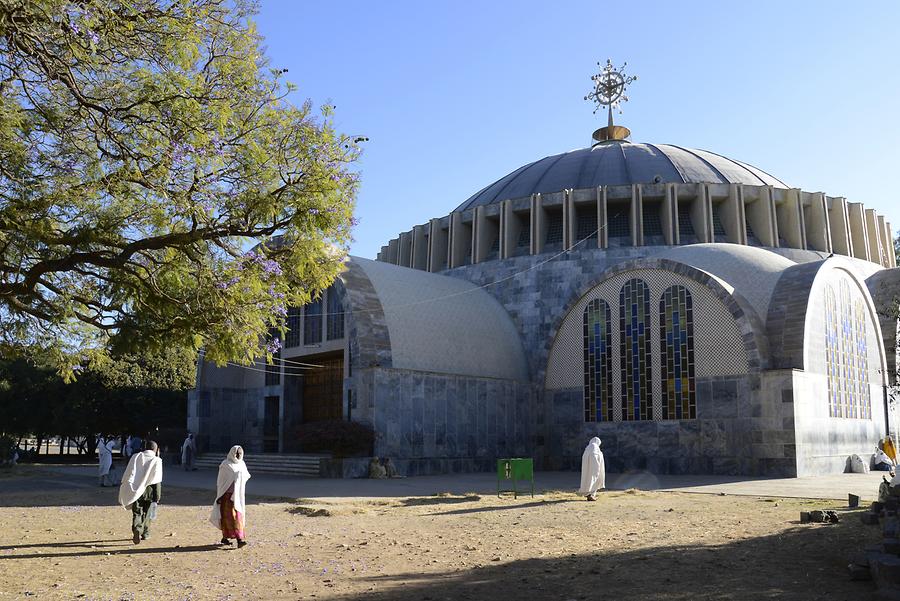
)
(836, 486)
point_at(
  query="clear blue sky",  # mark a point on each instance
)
(454, 95)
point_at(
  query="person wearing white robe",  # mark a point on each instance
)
(188, 453)
(104, 453)
(142, 487)
(229, 510)
(593, 470)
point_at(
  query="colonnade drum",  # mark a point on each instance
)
(645, 215)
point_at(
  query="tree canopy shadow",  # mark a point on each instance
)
(804, 563)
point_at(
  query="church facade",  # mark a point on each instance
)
(696, 313)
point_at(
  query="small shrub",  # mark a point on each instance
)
(341, 438)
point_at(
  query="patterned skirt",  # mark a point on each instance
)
(232, 520)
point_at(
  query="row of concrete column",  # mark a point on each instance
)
(777, 217)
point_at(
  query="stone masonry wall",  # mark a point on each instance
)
(432, 423)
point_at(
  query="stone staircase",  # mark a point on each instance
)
(269, 463)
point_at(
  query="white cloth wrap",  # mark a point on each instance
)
(144, 469)
(188, 444)
(104, 449)
(231, 471)
(593, 469)
(881, 457)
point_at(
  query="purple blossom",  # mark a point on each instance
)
(228, 283)
(93, 37)
(314, 211)
(354, 221)
(271, 267)
(218, 147)
(280, 310)
(74, 27)
(77, 367)
(273, 346)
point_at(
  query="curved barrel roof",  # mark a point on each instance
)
(619, 163)
(445, 325)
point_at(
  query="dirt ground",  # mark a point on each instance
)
(72, 542)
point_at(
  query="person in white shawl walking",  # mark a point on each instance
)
(104, 453)
(593, 470)
(141, 488)
(229, 511)
(188, 453)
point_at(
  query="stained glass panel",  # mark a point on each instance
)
(597, 362)
(635, 350)
(676, 336)
(846, 354)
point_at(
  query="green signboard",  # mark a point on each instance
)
(510, 471)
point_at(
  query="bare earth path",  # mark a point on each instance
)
(63, 538)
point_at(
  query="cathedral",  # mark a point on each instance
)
(696, 313)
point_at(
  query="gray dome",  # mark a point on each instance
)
(620, 163)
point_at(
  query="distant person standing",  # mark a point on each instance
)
(229, 511)
(127, 452)
(136, 444)
(141, 489)
(593, 470)
(104, 454)
(188, 453)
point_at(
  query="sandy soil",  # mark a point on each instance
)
(73, 543)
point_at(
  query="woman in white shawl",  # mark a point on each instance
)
(228, 512)
(142, 487)
(188, 453)
(593, 470)
(104, 452)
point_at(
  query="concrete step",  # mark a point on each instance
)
(269, 463)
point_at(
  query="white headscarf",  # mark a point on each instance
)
(593, 468)
(144, 469)
(104, 450)
(231, 471)
(187, 444)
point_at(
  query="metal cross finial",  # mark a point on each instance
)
(609, 88)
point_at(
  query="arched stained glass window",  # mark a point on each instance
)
(597, 362)
(848, 365)
(864, 408)
(832, 353)
(846, 354)
(676, 337)
(635, 348)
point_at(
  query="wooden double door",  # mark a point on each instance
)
(323, 387)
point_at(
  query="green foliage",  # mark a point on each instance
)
(144, 146)
(343, 438)
(123, 394)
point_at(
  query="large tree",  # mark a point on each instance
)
(145, 147)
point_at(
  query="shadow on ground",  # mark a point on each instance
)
(507, 507)
(804, 564)
(129, 548)
(59, 490)
(438, 500)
